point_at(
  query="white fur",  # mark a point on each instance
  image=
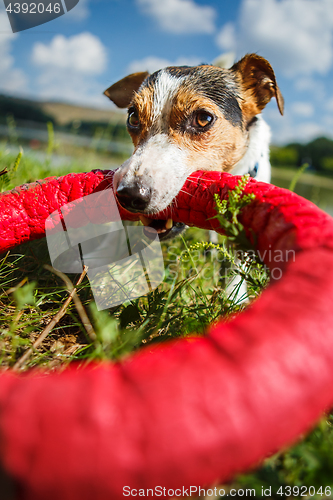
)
(257, 152)
(156, 164)
(165, 88)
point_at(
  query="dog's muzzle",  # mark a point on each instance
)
(136, 198)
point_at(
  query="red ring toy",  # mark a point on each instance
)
(190, 412)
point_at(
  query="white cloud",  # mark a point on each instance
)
(12, 80)
(304, 109)
(310, 130)
(152, 64)
(69, 67)
(313, 87)
(180, 16)
(225, 60)
(70, 88)
(295, 35)
(83, 53)
(226, 39)
(289, 129)
(306, 83)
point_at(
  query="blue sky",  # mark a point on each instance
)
(75, 57)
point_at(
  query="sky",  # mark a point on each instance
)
(76, 57)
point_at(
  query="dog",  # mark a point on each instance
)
(183, 119)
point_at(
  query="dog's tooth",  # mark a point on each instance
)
(145, 221)
(169, 224)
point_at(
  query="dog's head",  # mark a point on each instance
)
(183, 119)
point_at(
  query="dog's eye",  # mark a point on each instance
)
(202, 119)
(133, 119)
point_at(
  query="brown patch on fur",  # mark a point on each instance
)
(257, 80)
(218, 148)
(143, 103)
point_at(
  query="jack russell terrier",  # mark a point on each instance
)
(183, 119)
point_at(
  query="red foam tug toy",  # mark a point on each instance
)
(185, 413)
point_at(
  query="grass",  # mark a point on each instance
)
(192, 296)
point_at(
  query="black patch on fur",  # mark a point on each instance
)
(215, 84)
(180, 71)
(151, 79)
(254, 170)
(251, 122)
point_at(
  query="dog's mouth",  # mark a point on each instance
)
(165, 228)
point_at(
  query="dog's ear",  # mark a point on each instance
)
(121, 92)
(258, 82)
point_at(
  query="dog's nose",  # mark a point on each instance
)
(134, 198)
